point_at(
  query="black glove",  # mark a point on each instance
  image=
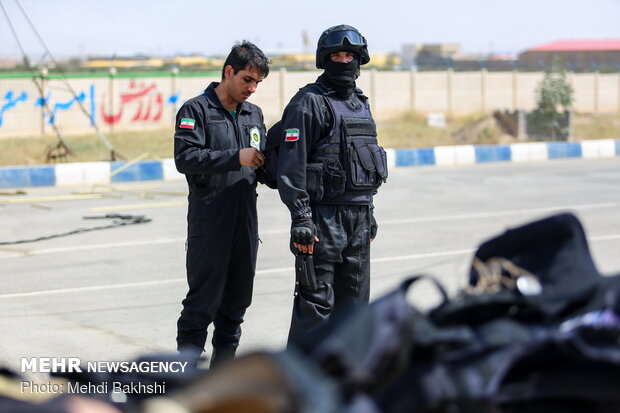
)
(373, 227)
(303, 231)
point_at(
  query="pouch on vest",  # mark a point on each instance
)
(366, 160)
(380, 158)
(334, 178)
(363, 170)
(314, 181)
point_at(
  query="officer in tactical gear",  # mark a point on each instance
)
(329, 167)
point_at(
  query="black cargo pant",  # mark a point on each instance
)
(341, 265)
(220, 272)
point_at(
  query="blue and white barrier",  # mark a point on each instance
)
(90, 173)
(516, 152)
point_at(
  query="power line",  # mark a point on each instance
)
(106, 142)
(113, 153)
(62, 142)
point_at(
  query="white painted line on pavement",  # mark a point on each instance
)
(604, 237)
(425, 255)
(501, 213)
(83, 289)
(182, 280)
(105, 246)
(138, 206)
(14, 254)
(259, 272)
(125, 285)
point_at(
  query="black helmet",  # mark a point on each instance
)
(341, 38)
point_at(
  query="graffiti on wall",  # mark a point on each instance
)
(11, 102)
(140, 103)
(56, 106)
(145, 100)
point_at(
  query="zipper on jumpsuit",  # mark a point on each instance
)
(237, 135)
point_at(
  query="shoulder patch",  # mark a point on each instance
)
(292, 135)
(187, 123)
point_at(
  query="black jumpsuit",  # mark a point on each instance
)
(222, 225)
(342, 255)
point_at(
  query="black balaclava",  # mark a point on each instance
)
(342, 75)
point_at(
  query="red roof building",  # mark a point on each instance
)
(578, 55)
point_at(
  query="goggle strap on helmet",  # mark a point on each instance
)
(337, 38)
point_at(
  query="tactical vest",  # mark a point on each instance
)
(348, 165)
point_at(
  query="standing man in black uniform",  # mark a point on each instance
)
(217, 146)
(329, 167)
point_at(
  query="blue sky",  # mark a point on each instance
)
(167, 27)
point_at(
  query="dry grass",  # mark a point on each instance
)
(412, 131)
(409, 131)
(87, 148)
(596, 127)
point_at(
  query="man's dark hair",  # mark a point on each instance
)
(247, 55)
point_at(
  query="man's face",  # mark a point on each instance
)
(240, 86)
(342, 57)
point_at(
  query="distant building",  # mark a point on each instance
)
(382, 60)
(142, 62)
(291, 59)
(578, 55)
(439, 56)
(7, 62)
(193, 62)
(428, 56)
(295, 60)
(408, 56)
(197, 62)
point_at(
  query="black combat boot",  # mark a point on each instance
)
(221, 355)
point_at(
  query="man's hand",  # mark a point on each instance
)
(303, 235)
(251, 157)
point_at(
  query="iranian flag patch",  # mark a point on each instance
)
(187, 123)
(292, 135)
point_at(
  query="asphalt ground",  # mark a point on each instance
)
(115, 293)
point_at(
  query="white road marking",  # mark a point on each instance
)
(421, 256)
(106, 246)
(258, 272)
(12, 254)
(503, 213)
(83, 289)
(605, 237)
(182, 280)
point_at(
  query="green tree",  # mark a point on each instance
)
(555, 99)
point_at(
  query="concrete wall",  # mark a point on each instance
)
(149, 101)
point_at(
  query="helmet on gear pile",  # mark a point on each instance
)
(341, 38)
